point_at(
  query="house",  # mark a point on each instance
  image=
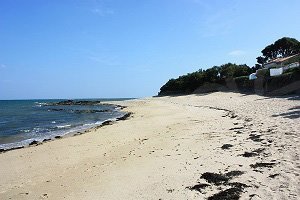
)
(281, 62)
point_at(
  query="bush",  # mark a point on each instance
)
(293, 70)
(190, 82)
(244, 84)
(263, 73)
(278, 82)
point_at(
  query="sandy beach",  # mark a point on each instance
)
(185, 147)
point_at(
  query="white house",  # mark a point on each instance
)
(281, 62)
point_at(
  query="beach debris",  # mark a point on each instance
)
(222, 179)
(253, 153)
(226, 146)
(58, 137)
(273, 175)
(170, 190)
(236, 128)
(215, 178)
(199, 187)
(262, 164)
(249, 154)
(234, 173)
(255, 137)
(219, 179)
(233, 193)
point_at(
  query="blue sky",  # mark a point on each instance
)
(118, 48)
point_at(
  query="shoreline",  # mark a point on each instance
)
(70, 133)
(187, 147)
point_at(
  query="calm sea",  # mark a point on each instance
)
(23, 121)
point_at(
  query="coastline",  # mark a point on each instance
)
(168, 150)
(71, 133)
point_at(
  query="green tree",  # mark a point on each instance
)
(281, 48)
(230, 70)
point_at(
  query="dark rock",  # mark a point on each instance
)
(34, 142)
(108, 122)
(15, 148)
(56, 109)
(79, 111)
(124, 117)
(90, 111)
(57, 137)
(72, 102)
(2, 150)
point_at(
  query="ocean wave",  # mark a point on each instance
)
(40, 134)
(64, 126)
(40, 104)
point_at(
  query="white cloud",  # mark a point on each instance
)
(102, 11)
(2, 66)
(237, 53)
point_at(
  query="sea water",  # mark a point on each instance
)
(24, 121)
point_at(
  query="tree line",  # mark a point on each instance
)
(219, 74)
(281, 48)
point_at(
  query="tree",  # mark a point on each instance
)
(281, 48)
(261, 60)
(217, 74)
(287, 46)
(230, 70)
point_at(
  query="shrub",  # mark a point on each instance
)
(244, 84)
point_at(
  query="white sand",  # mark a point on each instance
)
(163, 149)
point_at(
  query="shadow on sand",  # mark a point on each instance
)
(293, 113)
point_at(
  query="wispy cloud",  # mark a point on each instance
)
(100, 8)
(104, 60)
(237, 53)
(2, 66)
(102, 11)
(216, 20)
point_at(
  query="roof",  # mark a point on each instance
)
(279, 60)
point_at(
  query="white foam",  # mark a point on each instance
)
(64, 126)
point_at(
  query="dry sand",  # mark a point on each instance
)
(164, 149)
